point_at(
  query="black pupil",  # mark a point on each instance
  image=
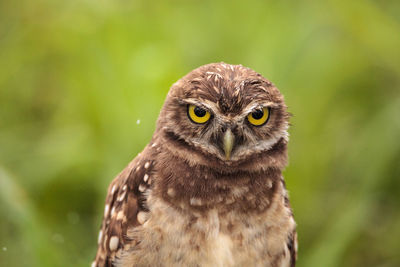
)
(258, 114)
(199, 112)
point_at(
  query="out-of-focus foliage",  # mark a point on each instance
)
(77, 77)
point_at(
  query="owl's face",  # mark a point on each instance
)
(225, 113)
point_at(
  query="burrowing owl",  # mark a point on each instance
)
(208, 190)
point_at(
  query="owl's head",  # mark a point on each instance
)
(224, 114)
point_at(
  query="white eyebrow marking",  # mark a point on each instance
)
(197, 102)
(249, 108)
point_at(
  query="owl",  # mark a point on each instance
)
(208, 189)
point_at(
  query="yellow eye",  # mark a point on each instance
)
(198, 114)
(259, 116)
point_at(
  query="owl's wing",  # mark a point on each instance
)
(292, 247)
(125, 208)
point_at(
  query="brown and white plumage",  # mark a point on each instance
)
(206, 194)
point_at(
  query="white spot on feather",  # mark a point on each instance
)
(195, 201)
(171, 192)
(112, 211)
(269, 183)
(142, 188)
(114, 241)
(142, 217)
(145, 178)
(120, 215)
(122, 196)
(100, 237)
(106, 209)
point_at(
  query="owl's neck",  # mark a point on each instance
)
(203, 183)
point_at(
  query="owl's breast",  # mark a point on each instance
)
(172, 237)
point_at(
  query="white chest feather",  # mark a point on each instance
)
(170, 238)
(221, 249)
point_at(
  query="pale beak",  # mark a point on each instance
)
(229, 139)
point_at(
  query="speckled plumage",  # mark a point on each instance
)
(181, 202)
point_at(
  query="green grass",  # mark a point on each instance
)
(75, 76)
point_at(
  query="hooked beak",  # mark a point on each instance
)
(228, 142)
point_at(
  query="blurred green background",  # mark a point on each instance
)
(82, 82)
